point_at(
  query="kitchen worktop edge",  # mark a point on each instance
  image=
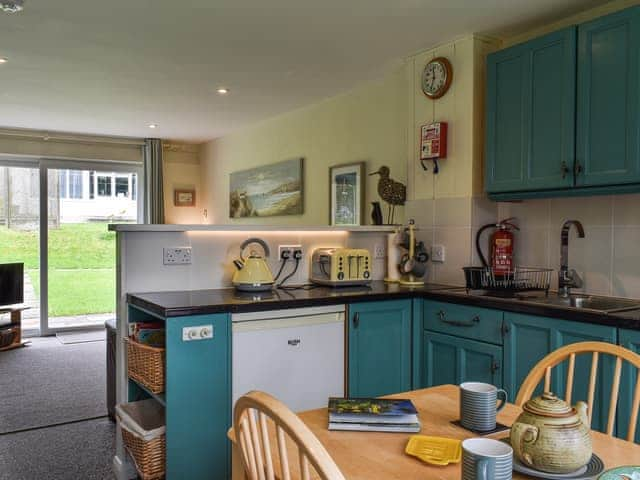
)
(202, 302)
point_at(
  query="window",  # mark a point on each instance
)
(75, 184)
(92, 187)
(122, 186)
(104, 186)
(62, 182)
(134, 186)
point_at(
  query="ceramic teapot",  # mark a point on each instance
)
(551, 436)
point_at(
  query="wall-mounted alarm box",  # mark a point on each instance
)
(434, 141)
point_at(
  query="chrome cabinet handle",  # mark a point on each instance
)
(564, 169)
(457, 323)
(356, 320)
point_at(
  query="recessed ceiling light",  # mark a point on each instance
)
(222, 90)
(3, 60)
(153, 125)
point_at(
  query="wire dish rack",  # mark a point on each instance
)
(520, 279)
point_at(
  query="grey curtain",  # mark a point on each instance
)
(153, 191)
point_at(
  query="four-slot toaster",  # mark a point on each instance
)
(341, 266)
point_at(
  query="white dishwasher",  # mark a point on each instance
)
(296, 355)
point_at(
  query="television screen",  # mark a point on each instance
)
(11, 283)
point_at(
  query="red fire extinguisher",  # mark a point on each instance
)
(501, 246)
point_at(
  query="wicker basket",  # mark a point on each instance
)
(149, 457)
(143, 434)
(145, 365)
(8, 336)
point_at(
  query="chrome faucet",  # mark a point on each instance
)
(568, 279)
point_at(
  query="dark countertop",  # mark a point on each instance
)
(194, 302)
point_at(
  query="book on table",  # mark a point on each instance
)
(373, 414)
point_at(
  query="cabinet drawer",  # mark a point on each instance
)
(464, 321)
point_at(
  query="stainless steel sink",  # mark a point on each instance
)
(588, 302)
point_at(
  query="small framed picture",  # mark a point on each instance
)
(184, 197)
(346, 184)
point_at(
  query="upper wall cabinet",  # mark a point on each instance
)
(562, 112)
(530, 114)
(608, 101)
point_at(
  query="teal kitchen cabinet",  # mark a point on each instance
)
(529, 338)
(197, 396)
(453, 360)
(530, 109)
(608, 100)
(629, 339)
(379, 347)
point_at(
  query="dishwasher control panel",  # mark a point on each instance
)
(201, 332)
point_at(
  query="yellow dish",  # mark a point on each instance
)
(434, 450)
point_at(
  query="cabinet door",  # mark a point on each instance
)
(628, 339)
(608, 101)
(530, 131)
(379, 348)
(453, 360)
(530, 338)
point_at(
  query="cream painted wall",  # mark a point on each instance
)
(462, 107)
(182, 170)
(367, 124)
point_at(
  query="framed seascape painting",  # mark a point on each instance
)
(347, 194)
(267, 191)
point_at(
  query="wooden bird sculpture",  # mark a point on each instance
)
(392, 192)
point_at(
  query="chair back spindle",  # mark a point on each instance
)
(543, 370)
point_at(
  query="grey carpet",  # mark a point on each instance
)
(69, 338)
(82, 451)
(48, 383)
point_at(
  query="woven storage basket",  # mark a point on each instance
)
(8, 336)
(145, 365)
(149, 457)
(143, 434)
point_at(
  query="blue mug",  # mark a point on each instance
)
(486, 459)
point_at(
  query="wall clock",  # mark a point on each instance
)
(436, 77)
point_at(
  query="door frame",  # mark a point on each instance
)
(44, 165)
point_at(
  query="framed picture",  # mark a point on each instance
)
(346, 187)
(267, 191)
(184, 197)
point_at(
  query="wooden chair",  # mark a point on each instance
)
(252, 414)
(569, 352)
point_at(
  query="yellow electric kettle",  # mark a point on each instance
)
(253, 273)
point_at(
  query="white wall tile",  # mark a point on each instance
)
(529, 214)
(595, 211)
(457, 241)
(421, 211)
(453, 212)
(626, 210)
(626, 262)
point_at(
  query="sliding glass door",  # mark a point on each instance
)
(54, 217)
(20, 232)
(80, 249)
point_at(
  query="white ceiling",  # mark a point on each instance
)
(114, 66)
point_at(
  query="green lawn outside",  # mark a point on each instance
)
(81, 266)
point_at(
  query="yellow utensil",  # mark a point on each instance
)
(434, 450)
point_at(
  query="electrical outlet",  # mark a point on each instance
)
(379, 251)
(201, 332)
(438, 253)
(177, 255)
(289, 249)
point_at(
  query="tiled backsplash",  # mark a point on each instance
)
(608, 258)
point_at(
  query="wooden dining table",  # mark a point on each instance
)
(376, 455)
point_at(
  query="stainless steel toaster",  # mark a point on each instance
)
(341, 266)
